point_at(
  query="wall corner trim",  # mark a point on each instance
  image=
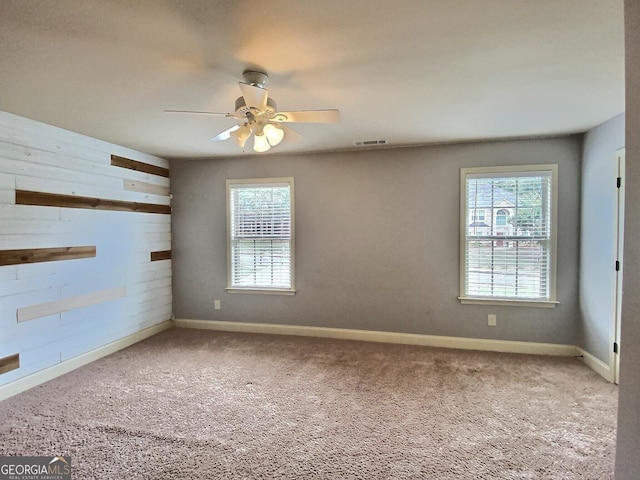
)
(30, 381)
(596, 365)
(463, 343)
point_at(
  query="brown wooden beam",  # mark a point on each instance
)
(122, 162)
(9, 363)
(37, 255)
(24, 197)
(161, 255)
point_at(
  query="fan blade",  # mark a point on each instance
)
(254, 97)
(290, 135)
(224, 135)
(309, 116)
(195, 112)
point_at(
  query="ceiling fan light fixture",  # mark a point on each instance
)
(273, 133)
(241, 135)
(260, 143)
(258, 115)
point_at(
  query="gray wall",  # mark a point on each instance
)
(377, 241)
(598, 246)
(627, 458)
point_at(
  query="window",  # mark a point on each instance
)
(511, 257)
(501, 218)
(260, 235)
(478, 216)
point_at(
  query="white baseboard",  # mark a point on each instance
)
(507, 346)
(30, 381)
(384, 337)
(596, 365)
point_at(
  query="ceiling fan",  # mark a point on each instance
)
(258, 115)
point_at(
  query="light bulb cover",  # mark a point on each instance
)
(273, 133)
(260, 143)
(241, 135)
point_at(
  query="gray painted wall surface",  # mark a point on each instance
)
(598, 243)
(377, 241)
(627, 458)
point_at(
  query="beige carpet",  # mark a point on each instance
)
(190, 404)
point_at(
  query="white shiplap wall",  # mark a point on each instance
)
(39, 157)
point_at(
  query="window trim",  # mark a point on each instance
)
(261, 290)
(553, 241)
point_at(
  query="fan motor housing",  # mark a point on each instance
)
(243, 110)
(254, 77)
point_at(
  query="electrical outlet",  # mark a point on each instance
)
(492, 320)
(216, 304)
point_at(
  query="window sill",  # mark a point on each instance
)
(508, 302)
(260, 291)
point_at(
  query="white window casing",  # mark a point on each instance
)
(261, 236)
(509, 258)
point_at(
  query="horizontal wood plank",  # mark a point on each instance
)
(98, 187)
(25, 197)
(162, 255)
(59, 306)
(37, 255)
(144, 187)
(122, 162)
(9, 363)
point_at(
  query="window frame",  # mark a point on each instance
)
(255, 289)
(552, 301)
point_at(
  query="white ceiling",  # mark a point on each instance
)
(406, 71)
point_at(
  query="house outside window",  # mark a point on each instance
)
(501, 218)
(260, 226)
(478, 216)
(510, 257)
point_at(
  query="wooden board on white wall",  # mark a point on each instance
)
(103, 191)
(11, 303)
(145, 187)
(69, 303)
(42, 158)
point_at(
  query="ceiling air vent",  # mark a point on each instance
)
(370, 143)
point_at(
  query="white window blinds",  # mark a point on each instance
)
(510, 253)
(260, 234)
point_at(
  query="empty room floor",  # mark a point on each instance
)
(194, 404)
